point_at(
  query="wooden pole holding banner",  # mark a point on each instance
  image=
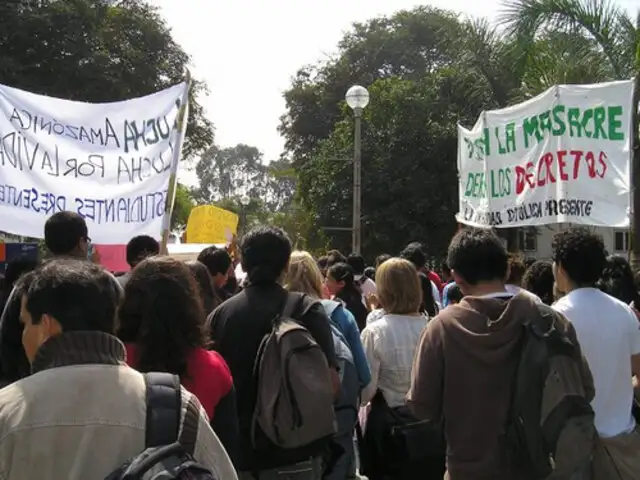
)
(634, 224)
(181, 127)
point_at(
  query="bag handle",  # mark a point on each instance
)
(164, 404)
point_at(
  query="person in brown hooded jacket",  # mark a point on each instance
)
(466, 361)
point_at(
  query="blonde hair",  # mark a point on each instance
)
(398, 286)
(303, 275)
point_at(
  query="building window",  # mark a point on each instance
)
(528, 240)
(621, 241)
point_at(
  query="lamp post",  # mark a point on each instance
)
(245, 200)
(357, 98)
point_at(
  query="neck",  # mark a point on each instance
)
(570, 287)
(485, 288)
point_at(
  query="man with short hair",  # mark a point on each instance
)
(218, 262)
(139, 248)
(471, 351)
(609, 334)
(358, 264)
(238, 327)
(82, 413)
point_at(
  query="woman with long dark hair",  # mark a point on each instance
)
(618, 281)
(203, 279)
(342, 285)
(162, 325)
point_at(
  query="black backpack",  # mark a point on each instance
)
(166, 456)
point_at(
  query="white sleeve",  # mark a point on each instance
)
(436, 294)
(633, 325)
(369, 344)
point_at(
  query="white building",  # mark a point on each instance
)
(536, 242)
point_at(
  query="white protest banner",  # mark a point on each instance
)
(561, 157)
(109, 162)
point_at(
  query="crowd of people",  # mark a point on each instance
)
(305, 368)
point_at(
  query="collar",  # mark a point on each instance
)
(79, 348)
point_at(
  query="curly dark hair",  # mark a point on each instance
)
(538, 279)
(618, 280)
(162, 313)
(581, 254)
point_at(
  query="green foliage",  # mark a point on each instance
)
(182, 207)
(428, 69)
(96, 51)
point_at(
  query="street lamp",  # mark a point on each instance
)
(245, 200)
(357, 98)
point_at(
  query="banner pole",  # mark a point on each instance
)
(181, 127)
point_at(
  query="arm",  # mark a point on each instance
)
(316, 321)
(208, 449)
(369, 345)
(427, 375)
(633, 327)
(225, 423)
(352, 335)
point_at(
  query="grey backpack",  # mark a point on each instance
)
(294, 404)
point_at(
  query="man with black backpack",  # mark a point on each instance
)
(279, 348)
(504, 375)
(83, 413)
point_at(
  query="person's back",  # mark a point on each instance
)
(238, 327)
(82, 413)
(608, 333)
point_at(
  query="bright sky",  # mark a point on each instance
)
(248, 50)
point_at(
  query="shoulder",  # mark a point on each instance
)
(211, 365)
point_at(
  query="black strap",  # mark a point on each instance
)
(164, 405)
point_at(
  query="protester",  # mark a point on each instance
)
(610, 338)
(454, 294)
(430, 290)
(618, 281)
(82, 413)
(471, 351)
(219, 263)
(516, 271)
(357, 263)
(304, 276)
(238, 328)
(205, 285)
(13, 361)
(390, 345)
(538, 279)
(342, 286)
(138, 249)
(162, 325)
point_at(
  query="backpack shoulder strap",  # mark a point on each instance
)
(164, 406)
(189, 433)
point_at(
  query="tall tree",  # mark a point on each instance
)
(96, 51)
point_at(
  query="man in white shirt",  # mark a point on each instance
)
(609, 334)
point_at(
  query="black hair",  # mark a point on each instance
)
(581, 254)
(323, 263)
(78, 294)
(216, 260)
(14, 364)
(264, 253)
(350, 294)
(618, 281)
(538, 279)
(63, 232)
(380, 259)
(477, 255)
(370, 272)
(205, 284)
(529, 261)
(334, 256)
(141, 247)
(356, 262)
(16, 268)
(163, 315)
(414, 252)
(454, 294)
(445, 268)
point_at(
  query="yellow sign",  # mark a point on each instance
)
(209, 224)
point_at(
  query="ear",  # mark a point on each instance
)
(50, 326)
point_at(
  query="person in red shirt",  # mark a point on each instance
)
(162, 326)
